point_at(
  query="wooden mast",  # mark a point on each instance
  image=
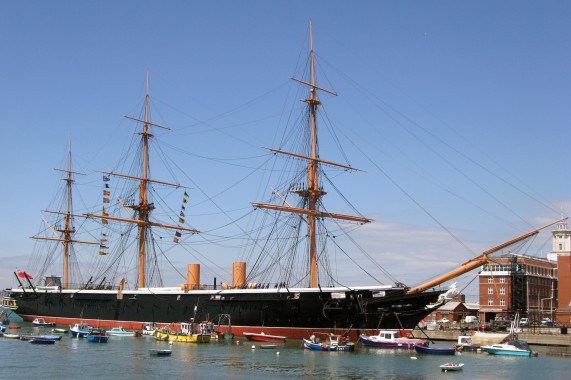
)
(476, 261)
(144, 208)
(67, 231)
(312, 193)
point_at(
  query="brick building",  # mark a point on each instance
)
(518, 283)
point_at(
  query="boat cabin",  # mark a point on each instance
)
(388, 335)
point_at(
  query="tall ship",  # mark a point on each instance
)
(295, 298)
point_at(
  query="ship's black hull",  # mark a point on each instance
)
(292, 312)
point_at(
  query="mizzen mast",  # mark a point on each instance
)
(312, 193)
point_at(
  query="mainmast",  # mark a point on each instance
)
(144, 208)
(312, 193)
(68, 230)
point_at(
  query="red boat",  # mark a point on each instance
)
(264, 337)
(13, 327)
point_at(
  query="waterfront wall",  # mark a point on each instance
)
(548, 337)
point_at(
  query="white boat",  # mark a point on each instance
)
(80, 330)
(465, 343)
(452, 367)
(40, 322)
(120, 331)
(148, 329)
(512, 347)
(160, 352)
(392, 339)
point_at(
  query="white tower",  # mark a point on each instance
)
(561, 242)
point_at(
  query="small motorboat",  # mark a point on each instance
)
(452, 367)
(435, 350)
(332, 343)
(465, 343)
(40, 322)
(80, 330)
(52, 337)
(97, 336)
(160, 352)
(40, 340)
(148, 329)
(512, 347)
(391, 339)
(11, 336)
(265, 337)
(14, 327)
(59, 331)
(120, 331)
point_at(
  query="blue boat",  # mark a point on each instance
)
(97, 336)
(435, 350)
(41, 340)
(512, 347)
(80, 330)
(333, 343)
(52, 337)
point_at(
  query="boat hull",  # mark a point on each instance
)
(435, 351)
(97, 339)
(265, 337)
(326, 347)
(495, 351)
(294, 313)
(403, 345)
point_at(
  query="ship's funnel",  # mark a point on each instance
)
(238, 274)
(193, 276)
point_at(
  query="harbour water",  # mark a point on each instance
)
(129, 358)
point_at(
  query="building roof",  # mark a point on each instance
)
(472, 306)
(449, 306)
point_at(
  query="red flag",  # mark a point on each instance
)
(106, 193)
(24, 275)
(105, 200)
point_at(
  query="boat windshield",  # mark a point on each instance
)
(522, 345)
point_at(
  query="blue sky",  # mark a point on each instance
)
(462, 104)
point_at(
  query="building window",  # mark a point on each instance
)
(490, 302)
(502, 302)
(490, 290)
(502, 291)
(502, 280)
(490, 280)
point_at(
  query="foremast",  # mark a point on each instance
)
(144, 208)
(312, 193)
(68, 230)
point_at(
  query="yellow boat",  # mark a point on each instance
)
(161, 335)
(192, 338)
